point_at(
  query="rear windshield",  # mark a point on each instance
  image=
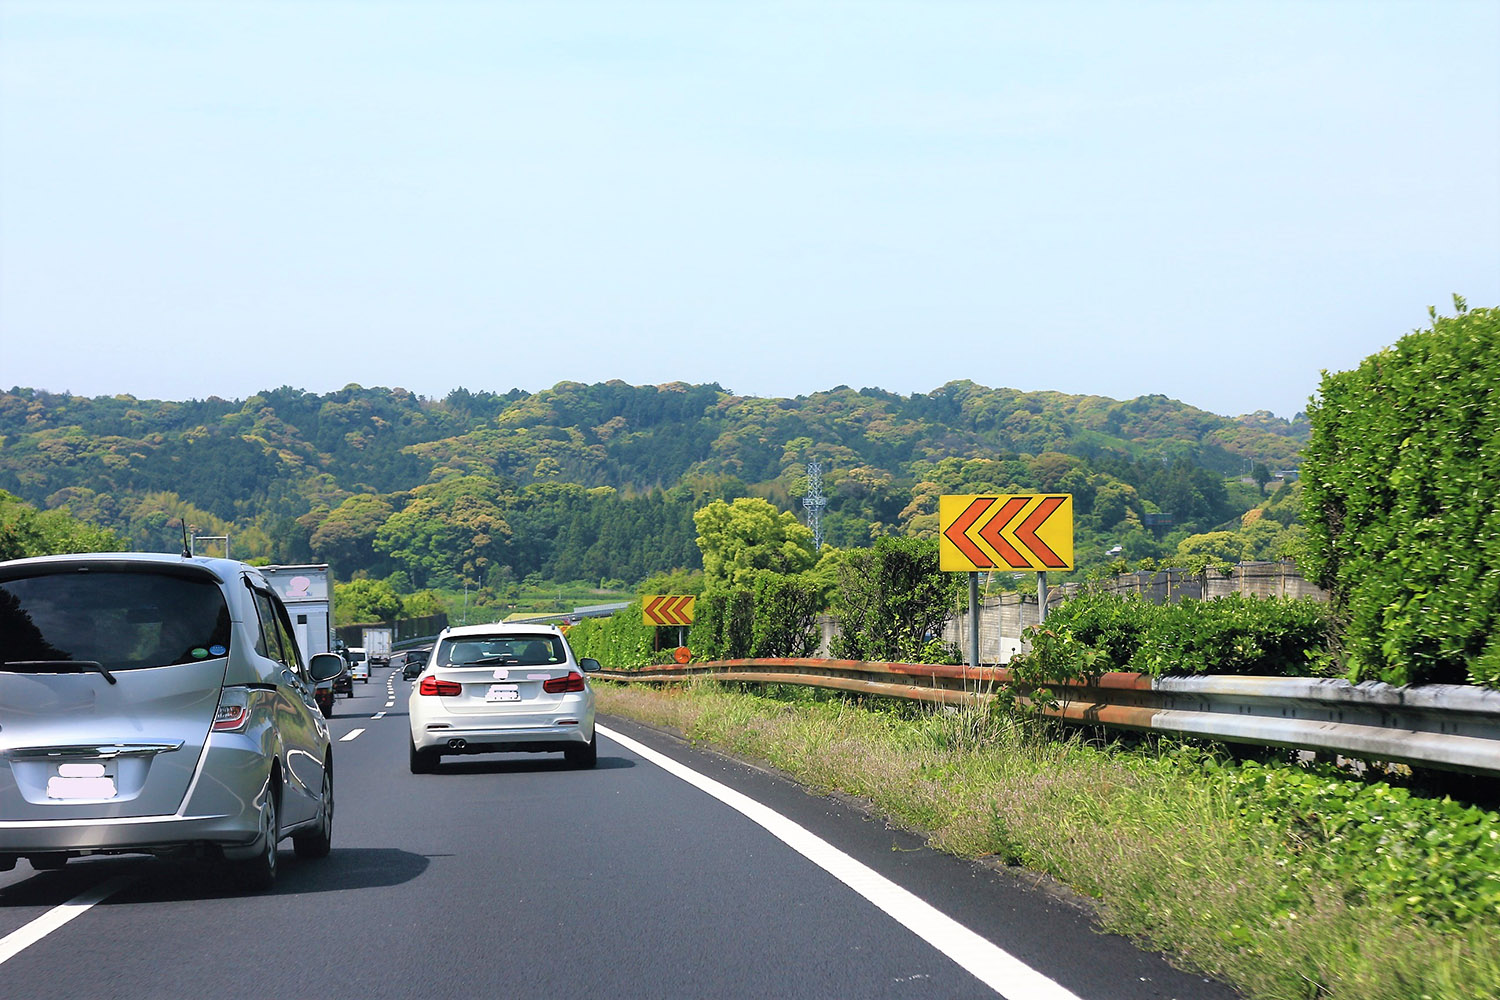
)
(122, 620)
(356, 656)
(514, 649)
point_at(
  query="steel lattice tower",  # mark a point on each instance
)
(814, 502)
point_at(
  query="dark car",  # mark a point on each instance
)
(344, 682)
(413, 661)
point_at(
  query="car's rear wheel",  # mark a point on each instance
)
(259, 873)
(423, 761)
(584, 755)
(49, 862)
(317, 842)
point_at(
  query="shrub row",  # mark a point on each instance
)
(1096, 633)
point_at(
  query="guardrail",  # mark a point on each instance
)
(1444, 726)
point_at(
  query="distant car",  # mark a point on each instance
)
(157, 704)
(502, 688)
(359, 667)
(414, 660)
(344, 682)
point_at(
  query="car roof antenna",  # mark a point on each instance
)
(187, 548)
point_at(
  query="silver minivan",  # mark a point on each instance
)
(159, 704)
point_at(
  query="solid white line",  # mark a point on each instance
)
(981, 958)
(350, 735)
(25, 936)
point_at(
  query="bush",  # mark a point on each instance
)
(1403, 527)
(1096, 633)
(892, 602)
(621, 641)
(785, 621)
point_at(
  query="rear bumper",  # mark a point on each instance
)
(128, 835)
(494, 739)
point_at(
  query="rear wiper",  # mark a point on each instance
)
(60, 667)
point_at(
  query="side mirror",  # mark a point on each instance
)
(325, 666)
(589, 665)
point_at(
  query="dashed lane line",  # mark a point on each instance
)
(352, 734)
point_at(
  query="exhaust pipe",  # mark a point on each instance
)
(457, 744)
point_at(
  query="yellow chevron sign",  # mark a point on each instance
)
(1024, 531)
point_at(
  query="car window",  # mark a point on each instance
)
(268, 639)
(123, 619)
(288, 637)
(514, 649)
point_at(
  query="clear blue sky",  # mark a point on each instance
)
(1211, 201)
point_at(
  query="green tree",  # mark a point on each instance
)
(1399, 502)
(346, 537)
(749, 536)
(26, 531)
(362, 601)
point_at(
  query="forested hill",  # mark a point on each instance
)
(294, 475)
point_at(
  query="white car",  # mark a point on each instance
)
(359, 665)
(502, 689)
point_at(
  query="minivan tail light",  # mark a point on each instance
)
(233, 712)
(431, 685)
(559, 685)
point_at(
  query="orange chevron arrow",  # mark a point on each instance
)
(653, 611)
(1026, 533)
(990, 532)
(957, 532)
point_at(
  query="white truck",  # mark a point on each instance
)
(308, 597)
(378, 646)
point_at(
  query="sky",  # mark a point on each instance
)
(1210, 201)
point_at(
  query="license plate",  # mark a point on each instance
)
(503, 692)
(81, 781)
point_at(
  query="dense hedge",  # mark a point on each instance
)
(1096, 633)
(892, 601)
(622, 640)
(1400, 479)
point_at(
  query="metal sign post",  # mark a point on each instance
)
(973, 619)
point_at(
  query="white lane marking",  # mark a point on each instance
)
(352, 734)
(29, 934)
(981, 958)
(388, 704)
(377, 715)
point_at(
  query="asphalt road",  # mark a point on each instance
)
(515, 876)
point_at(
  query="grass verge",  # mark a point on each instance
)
(1159, 836)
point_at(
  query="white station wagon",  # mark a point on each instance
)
(502, 688)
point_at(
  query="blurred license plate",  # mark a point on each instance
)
(503, 692)
(80, 787)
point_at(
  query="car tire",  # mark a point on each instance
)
(317, 842)
(327, 709)
(259, 873)
(50, 862)
(423, 761)
(584, 756)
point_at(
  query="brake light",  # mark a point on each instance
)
(431, 685)
(233, 712)
(559, 685)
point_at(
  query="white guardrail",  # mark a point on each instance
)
(1444, 726)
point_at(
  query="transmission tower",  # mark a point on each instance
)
(815, 501)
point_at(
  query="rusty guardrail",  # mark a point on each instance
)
(1445, 726)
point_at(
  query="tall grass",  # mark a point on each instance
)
(1154, 834)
